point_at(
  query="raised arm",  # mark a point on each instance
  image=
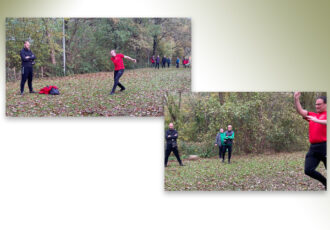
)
(299, 108)
(129, 58)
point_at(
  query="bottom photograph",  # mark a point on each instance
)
(245, 141)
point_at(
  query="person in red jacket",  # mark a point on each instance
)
(117, 60)
(317, 136)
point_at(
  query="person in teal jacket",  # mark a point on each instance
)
(228, 143)
(219, 141)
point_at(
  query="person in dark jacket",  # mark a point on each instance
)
(168, 62)
(228, 143)
(164, 60)
(27, 58)
(157, 62)
(171, 136)
(219, 141)
(177, 62)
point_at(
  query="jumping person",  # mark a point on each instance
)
(219, 141)
(317, 136)
(171, 136)
(164, 60)
(27, 58)
(177, 62)
(117, 60)
(157, 62)
(228, 143)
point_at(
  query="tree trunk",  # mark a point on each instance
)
(222, 98)
(14, 73)
(50, 42)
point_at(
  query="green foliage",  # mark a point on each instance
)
(88, 42)
(261, 121)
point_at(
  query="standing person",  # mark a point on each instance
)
(177, 62)
(228, 143)
(117, 60)
(171, 136)
(27, 58)
(183, 61)
(168, 62)
(152, 60)
(219, 141)
(317, 136)
(164, 60)
(157, 62)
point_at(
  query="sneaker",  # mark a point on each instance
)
(112, 93)
(122, 89)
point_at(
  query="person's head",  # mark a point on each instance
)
(171, 126)
(230, 127)
(321, 104)
(221, 130)
(113, 53)
(27, 45)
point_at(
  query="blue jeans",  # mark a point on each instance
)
(117, 75)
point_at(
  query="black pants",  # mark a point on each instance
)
(117, 75)
(220, 151)
(163, 65)
(316, 154)
(168, 65)
(225, 147)
(177, 65)
(157, 65)
(27, 74)
(168, 151)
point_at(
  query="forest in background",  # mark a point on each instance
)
(262, 121)
(88, 41)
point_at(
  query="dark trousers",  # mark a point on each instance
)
(225, 147)
(168, 64)
(157, 65)
(220, 151)
(27, 74)
(163, 65)
(316, 154)
(177, 65)
(117, 75)
(153, 64)
(168, 151)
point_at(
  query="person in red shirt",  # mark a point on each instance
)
(117, 60)
(317, 136)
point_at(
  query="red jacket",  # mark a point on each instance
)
(46, 89)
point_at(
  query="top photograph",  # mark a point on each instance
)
(95, 67)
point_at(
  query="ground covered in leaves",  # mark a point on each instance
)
(88, 94)
(275, 172)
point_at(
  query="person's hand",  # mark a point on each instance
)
(297, 95)
(134, 60)
(175, 134)
(215, 144)
(311, 118)
(27, 57)
(169, 135)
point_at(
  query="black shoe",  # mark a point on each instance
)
(182, 165)
(32, 91)
(122, 89)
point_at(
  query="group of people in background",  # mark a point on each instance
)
(224, 140)
(166, 61)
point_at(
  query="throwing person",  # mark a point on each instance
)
(117, 60)
(171, 136)
(317, 136)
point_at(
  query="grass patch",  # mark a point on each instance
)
(275, 172)
(88, 94)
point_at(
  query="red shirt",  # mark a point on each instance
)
(317, 132)
(118, 61)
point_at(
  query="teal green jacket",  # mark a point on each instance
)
(220, 139)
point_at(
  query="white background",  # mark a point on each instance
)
(108, 173)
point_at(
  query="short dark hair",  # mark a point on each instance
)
(324, 98)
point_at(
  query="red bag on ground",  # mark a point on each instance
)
(47, 89)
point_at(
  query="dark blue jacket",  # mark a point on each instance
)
(27, 62)
(171, 135)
